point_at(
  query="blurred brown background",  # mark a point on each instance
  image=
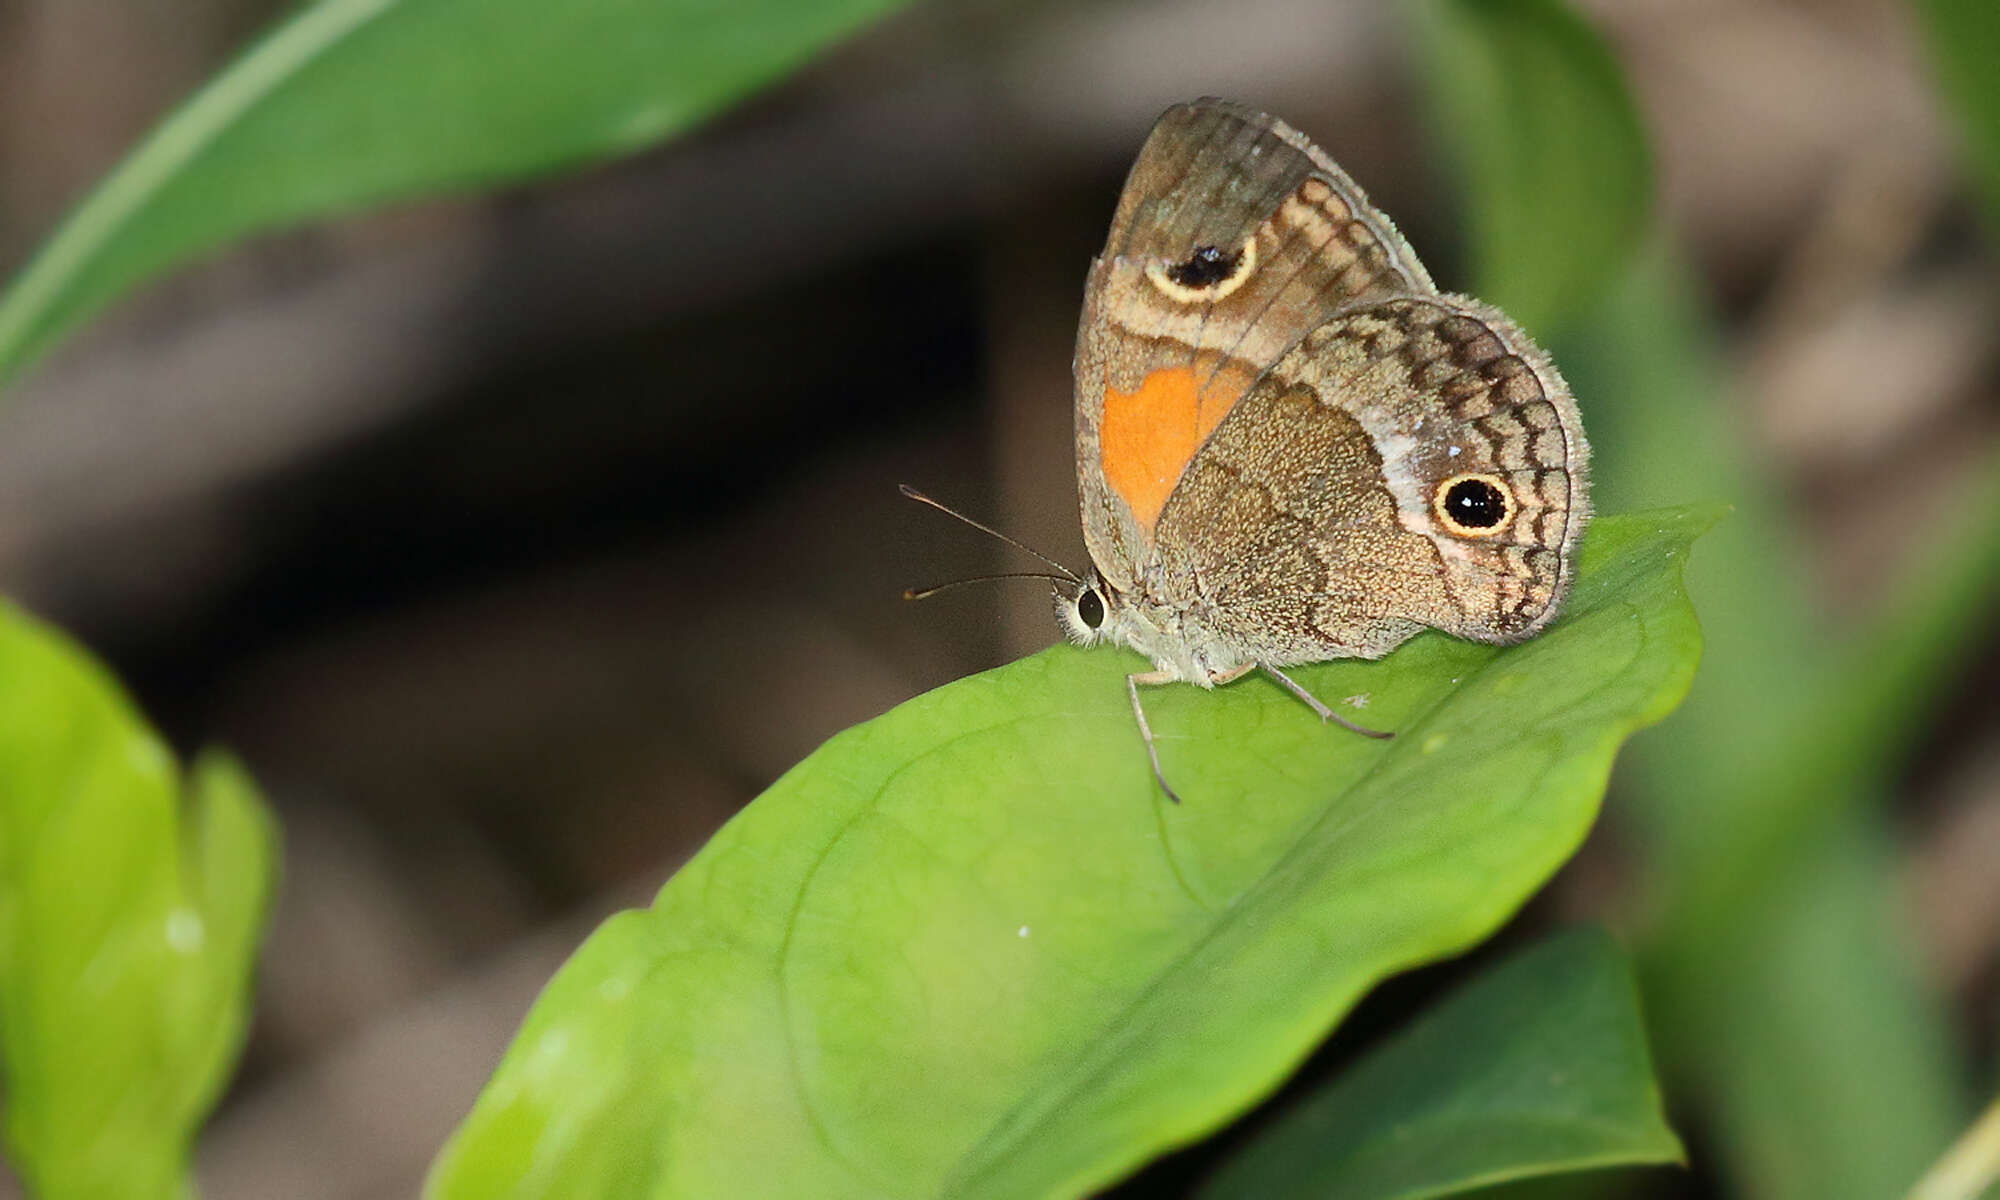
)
(517, 541)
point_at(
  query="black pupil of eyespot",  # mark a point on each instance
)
(1475, 504)
(1091, 609)
(1206, 267)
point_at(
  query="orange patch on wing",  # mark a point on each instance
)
(1148, 435)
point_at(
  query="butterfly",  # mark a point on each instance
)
(1290, 445)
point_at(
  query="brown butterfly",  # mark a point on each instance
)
(1290, 446)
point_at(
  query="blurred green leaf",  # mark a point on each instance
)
(1840, 746)
(1554, 162)
(1576, 1185)
(131, 902)
(353, 102)
(1964, 37)
(1781, 980)
(968, 949)
(1539, 1066)
(1780, 976)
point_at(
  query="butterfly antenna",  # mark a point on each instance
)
(926, 593)
(949, 511)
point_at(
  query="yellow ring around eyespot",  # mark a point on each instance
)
(1246, 263)
(1472, 531)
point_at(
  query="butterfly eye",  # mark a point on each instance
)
(1090, 609)
(1474, 505)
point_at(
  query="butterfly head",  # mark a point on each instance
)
(1089, 611)
(1092, 611)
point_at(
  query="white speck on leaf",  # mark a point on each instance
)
(185, 932)
(1023, 931)
(148, 755)
(1357, 700)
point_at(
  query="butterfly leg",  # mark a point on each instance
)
(1150, 679)
(1325, 713)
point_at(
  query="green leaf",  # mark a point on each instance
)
(131, 903)
(1964, 43)
(353, 102)
(1554, 161)
(1782, 981)
(1537, 1067)
(967, 949)
(1780, 975)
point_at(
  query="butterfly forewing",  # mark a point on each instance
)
(1234, 237)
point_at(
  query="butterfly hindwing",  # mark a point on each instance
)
(1413, 463)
